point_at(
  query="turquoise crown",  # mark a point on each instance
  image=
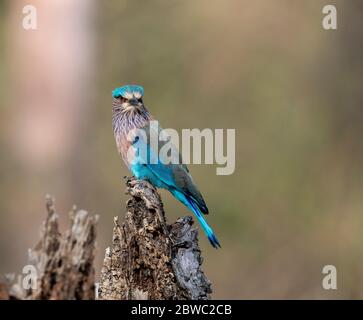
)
(129, 89)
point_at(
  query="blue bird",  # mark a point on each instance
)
(129, 114)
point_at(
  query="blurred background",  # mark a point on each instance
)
(292, 90)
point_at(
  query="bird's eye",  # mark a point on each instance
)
(140, 100)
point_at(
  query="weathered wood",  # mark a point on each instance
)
(150, 259)
(64, 264)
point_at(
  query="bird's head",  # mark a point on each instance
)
(128, 98)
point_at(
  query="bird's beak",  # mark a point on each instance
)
(134, 102)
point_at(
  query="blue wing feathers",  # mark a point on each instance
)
(176, 179)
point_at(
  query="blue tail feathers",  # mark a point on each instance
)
(214, 241)
(206, 228)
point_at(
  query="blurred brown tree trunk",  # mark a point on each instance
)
(49, 89)
(50, 78)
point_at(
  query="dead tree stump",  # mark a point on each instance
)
(64, 264)
(150, 259)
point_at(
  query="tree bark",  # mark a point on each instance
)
(150, 259)
(64, 264)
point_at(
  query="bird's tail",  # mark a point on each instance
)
(205, 226)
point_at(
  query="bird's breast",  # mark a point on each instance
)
(124, 148)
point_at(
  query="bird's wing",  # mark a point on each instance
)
(184, 180)
(174, 175)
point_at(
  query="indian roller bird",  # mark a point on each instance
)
(129, 114)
